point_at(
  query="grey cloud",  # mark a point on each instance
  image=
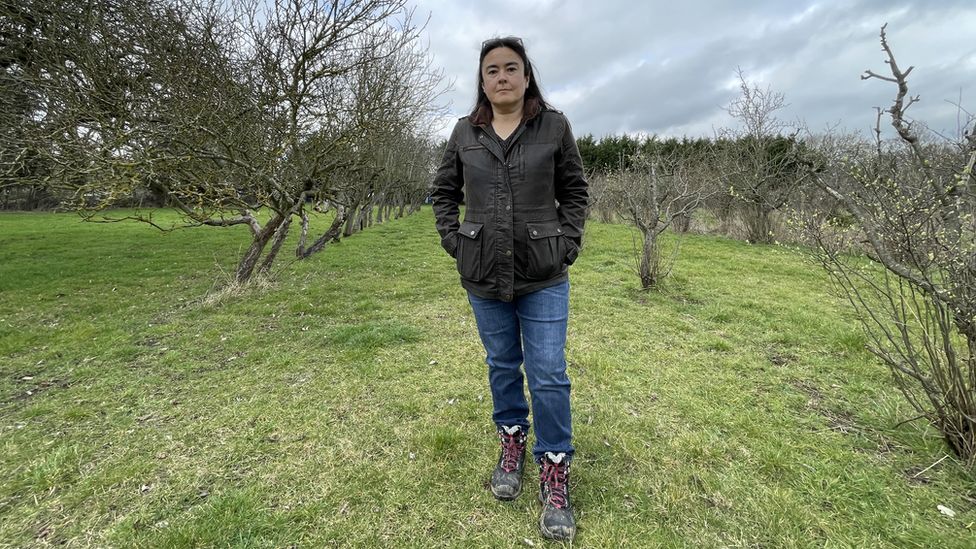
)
(663, 66)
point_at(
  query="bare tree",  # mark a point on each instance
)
(653, 194)
(238, 113)
(602, 199)
(75, 82)
(912, 204)
(761, 161)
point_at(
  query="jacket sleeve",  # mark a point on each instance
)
(571, 189)
(447, 193)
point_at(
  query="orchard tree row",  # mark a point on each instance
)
(234, 113)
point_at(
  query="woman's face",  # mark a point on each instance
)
(503, 79)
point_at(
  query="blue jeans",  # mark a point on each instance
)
(529, 329)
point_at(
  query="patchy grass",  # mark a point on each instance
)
(345, 401)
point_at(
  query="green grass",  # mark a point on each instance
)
(346, 402)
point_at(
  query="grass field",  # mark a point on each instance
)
(345, 403)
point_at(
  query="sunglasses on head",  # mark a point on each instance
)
(493, 43)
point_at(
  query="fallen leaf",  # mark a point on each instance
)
(946, 511)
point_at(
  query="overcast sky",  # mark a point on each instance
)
(669, 68)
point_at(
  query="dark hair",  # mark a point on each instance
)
(534, 102)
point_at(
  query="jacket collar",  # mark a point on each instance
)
(493, 146)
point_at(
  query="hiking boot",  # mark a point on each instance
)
(506, 479)
(557, 521)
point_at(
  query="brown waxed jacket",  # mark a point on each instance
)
(525, 205)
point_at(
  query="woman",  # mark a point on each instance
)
(515, 164)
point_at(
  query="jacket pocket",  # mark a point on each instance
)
(545, 251)
(468, 253)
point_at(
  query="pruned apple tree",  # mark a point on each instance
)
(653, 193)
(235, 113)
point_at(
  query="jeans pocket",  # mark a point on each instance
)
(468, 251)
(546, 250)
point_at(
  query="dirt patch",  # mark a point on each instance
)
(780, 357)
(810, 389)
(916, 475)
(149, 342)
(841, 421)
(837, 420)
(844, 422)
(29, 387)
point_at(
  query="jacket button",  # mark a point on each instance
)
(559, 230)
(471, 233)
(535, 233)
(508, 252)
(509, 207)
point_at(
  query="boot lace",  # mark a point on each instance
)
(512, 448)
(555, 479)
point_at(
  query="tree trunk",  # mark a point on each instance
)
(649, 260)
(380, 204)
(260, 239)
(322, 241)
(726, 214)
(353, 215)
(681, 223)
(279, 239)
(366, 215)
(961, 438)
(759, 223)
